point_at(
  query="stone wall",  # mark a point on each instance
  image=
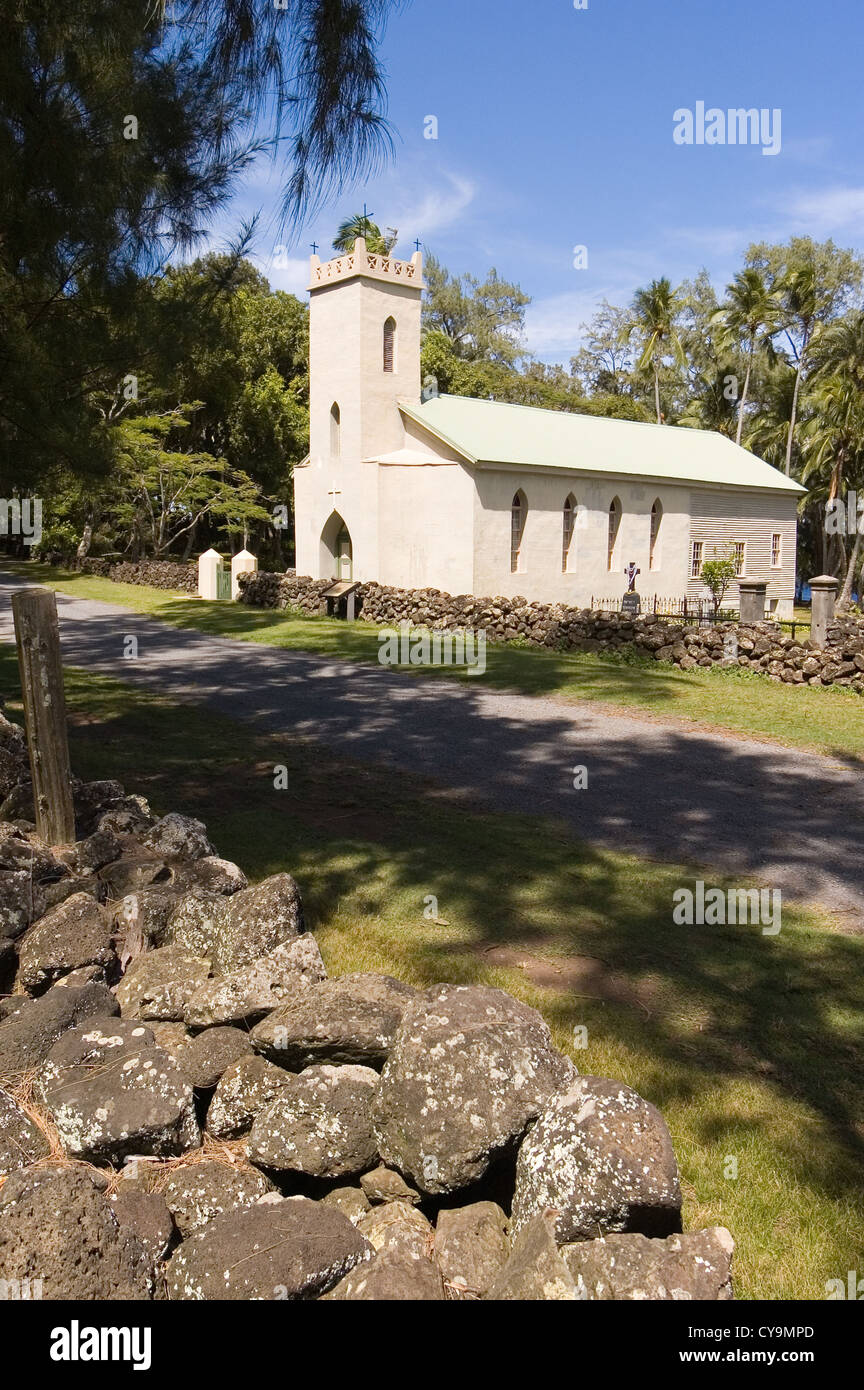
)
(761, 647)
(192, 1108)
(155, 574)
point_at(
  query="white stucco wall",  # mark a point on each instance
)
(427, 520)
(540, 576)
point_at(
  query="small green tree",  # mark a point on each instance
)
(165, 494)
(717, 575)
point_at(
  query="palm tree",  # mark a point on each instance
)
(834, 455)
(801, 303)
(362, 225)
(839, 349)
(751, 313)
(653, 314)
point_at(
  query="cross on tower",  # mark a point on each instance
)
(417, 244)
(314, 246)
(334, 493)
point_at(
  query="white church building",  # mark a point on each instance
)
(481, 497)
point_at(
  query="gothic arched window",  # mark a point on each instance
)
(335, 431)
(656, 520)
(518, 513)
(614, 528)
(567, 546)
(390, 345)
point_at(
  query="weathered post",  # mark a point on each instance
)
(751, 602)
(823, 596)
(37, 635)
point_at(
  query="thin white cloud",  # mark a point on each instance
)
(829, 210)
(435, 210)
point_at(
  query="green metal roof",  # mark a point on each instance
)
(487, 432)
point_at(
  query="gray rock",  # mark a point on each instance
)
(93, 853)
(206, 1057)
(469, 1069)
(318, 1124)
(179, 837)
(77, 933)
(193, 923)
(257, 920)
(136, 872)
(199, 1191)
(385, 1185)
(247, 994)
(21, 1141)
(352, 1019)
(602, 1158)
(84, 975)
(57, 1227)
(393, 1275)
(351, 1201)
(173, 1038)
(215, 875)
(398, 1225)
(145, 1215)
(535, 1271)
(691, 1267)
(160, 983)
(295, 1249)
(28, 1036)
(20, 850)
(243, 1090)
(471, 1247)
(21, 902)
(112, 1092)
(237, 930)
(131, 817)
(150, 908)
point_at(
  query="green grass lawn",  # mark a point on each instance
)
(830, 721)
(750, 1045)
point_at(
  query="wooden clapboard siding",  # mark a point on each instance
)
(717, 518)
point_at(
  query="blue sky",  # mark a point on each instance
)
(555, 129)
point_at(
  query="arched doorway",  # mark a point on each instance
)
(337, 551)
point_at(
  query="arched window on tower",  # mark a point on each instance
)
(390, 345)
(568, 548)
(335, 431)
(614, 528)
(518, 513)
(656, 522)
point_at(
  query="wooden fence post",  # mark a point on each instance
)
(37, 635)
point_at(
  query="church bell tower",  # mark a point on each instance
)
(364, 359)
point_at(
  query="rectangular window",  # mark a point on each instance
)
(696, 559)
(776, 551)
(739, 549)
